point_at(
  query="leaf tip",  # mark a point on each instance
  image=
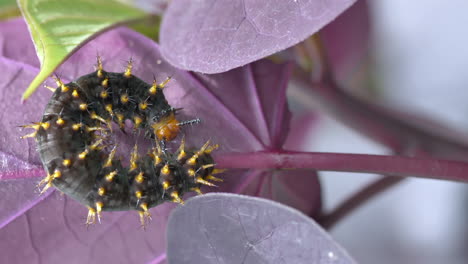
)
(29, 91)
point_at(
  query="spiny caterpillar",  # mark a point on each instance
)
(73, 143)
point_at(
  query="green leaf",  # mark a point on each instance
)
(8, 8)
(59, 27)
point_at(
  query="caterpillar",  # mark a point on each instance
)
(74, 141)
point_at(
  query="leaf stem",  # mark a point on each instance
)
(358, 199)
(380, 164)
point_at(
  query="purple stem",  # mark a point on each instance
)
(358, 199)
(380, 164)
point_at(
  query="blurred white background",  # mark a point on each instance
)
(421, 54)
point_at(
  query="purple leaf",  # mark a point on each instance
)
(16, 43)
(236, 111)
(18, 196)
(346, 40)
(301, 127)
(227, 228)
(216, 36)
(53, 231)
(15, 76)
(250, 100)
(299, 188)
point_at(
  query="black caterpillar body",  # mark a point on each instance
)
(72, 135)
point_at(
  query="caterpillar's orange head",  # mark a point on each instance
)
(167, 128)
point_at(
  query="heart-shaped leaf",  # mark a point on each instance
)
(228, 228)
(58, 28)
(216, 36)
